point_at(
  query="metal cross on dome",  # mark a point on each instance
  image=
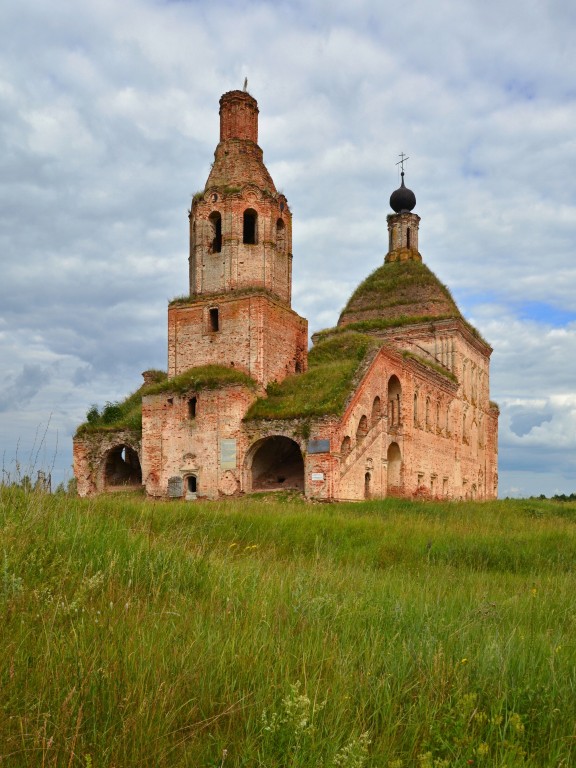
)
(402, 160)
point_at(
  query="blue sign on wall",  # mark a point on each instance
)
(318, 446)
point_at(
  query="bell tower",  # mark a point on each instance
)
(238, 312)
(240, 227)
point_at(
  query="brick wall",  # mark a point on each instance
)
(256, 334)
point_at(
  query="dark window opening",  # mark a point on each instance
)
(280, 236)
(408, 238)
(216, 221)
(249, 233)
(192, 408)
(214, 319)
(191, 483)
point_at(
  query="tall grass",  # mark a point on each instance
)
(270, 632)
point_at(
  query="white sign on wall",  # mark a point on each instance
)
(318, 476)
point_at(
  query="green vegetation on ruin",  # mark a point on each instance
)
(395, 284)
(324, 388)
(226, 295)
(202, 377)
(431, 365)
(266, 632)
(127, 414)
(123, 414)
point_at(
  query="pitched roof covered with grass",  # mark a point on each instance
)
(400, 292)
(127, 414)
(326, 385)
(122, 414)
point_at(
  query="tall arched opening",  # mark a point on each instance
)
(394, 468)
(394, 401)
(276, 463)
(122, 468)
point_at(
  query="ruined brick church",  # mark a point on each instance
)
(394, 400)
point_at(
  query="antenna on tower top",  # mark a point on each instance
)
(245, 84)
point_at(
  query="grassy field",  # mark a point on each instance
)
(273, 633)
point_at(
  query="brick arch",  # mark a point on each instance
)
(362, 429)
(394, 401)
(394, 457)
(274, 463)
(120, 468)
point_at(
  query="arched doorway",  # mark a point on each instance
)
(122, 468)
(394, 468)
(276, 463)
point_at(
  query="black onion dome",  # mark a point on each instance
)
(402, 199)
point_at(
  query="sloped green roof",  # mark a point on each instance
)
(326, 385)
(400, 293)
(127, 413)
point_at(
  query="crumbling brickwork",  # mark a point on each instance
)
(418, 420)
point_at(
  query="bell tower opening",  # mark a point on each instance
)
(249, 233)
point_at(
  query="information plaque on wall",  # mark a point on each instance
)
(318, 446)
(228, 454)
(175, 487)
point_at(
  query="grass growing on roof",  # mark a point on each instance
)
(202, 377)
(127, 414)
(392, 285)
(325, 386)
(122, 414)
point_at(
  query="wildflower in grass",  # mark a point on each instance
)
(482, 749)
(480, 717)
(516, 723)
(464, 661)
(534, 591)
(353, 754)
(496, 720)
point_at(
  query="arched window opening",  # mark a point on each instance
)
(280, 236)
(216, 222)
(362, 430)
(249, 236)
(408, 238)
(394, 401)
(376, 411)
(122, 468)
(346, 447)
(214, 318)
(192, 403)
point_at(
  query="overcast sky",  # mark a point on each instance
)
(108, 125)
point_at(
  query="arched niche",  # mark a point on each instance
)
(275, 463)
(121, 468)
